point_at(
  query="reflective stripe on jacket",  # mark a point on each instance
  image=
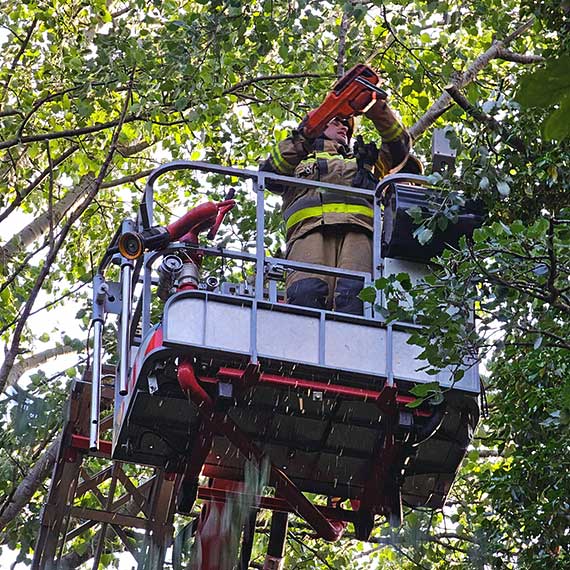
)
(305, 209)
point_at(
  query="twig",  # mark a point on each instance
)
(313, 550)
(20, 53)
(553, 269)
(34, 183)
(127, 179)
(485, 118)
(263, 78)
(23, 265)
(428, 72)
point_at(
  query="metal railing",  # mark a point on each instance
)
(131, 272)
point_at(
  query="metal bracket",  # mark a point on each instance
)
(443, 156)
(113, 298)
(152, 384)
(274, 271)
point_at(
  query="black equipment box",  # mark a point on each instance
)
(398, 227)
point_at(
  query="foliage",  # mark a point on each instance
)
(218, 81)
(549, 87)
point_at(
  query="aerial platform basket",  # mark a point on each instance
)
(231, 374)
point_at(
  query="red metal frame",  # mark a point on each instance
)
(380, 397)
(380, 495)
(221, 495)
(381, 490)
(223, 425)
(270, 503)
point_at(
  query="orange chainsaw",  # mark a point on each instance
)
(350, 95)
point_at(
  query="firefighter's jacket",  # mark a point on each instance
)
(305, 209)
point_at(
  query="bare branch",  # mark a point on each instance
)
(525, 59)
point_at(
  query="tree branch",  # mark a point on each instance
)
(444, 101)
(525, 59)
(127, 179)
(20, 53)
(34, 183)
(34, 361)
(21, 496)
(342, 31)
(263, 78)
(485, 118)
(553, 264)
(93, 188)
(40, 225)
(68, 133)
(11, 113)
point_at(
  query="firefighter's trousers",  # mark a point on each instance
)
(344, 247)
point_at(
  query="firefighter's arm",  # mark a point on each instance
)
(396, 141)
(285, 156)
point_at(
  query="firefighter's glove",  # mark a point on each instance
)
(300, 138)
(366, 154)
(377, 111)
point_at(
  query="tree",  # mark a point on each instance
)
(93, 95)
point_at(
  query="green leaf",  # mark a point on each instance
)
(424, 235)
(484, 183)
(368, 295)
(415, 403)
(422, 390)
(415, 212)
(503, 188)
(381, 283)
(557, 125)
(437, 399)
(546, 86)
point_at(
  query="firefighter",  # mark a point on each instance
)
(327, 227)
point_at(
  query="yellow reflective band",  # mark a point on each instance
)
(281, 164)
(327, 155)
(317, 211)
(392, 133)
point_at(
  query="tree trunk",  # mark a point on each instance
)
(36, 360)
(41, 224)
(29, 484)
